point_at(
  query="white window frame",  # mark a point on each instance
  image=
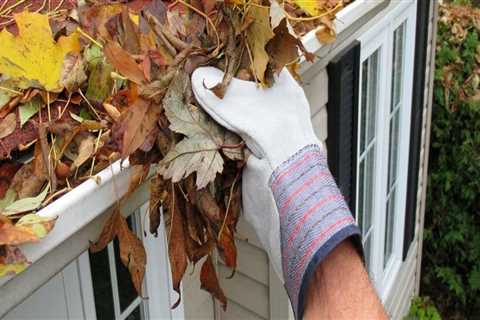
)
(380, 37)
(156, 287)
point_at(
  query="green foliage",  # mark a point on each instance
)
(422, 308)
(451, 259)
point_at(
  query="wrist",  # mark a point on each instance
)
(314, 217)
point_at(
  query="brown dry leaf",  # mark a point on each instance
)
(8, 125)
(158, 196)
(108, 233)
(130, 39)
(7, 172)
(283, 48)
(258, 34)
(138, 174)
(29, 228)
(209, 282)
(86, 148)
(26, 183)
(123, 62)
(132, 254)
(176, 243)
(227, 248)
(141, 118)
(326, 32)
(73, 72)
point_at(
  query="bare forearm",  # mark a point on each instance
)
(341, 289)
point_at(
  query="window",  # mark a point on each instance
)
(114, 293)
(383, 122)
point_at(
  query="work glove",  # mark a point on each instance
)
(289, 195)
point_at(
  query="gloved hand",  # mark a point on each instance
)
(289, 195)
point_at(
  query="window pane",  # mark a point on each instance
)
(397, 64)
(393, 149)
(367, 244)
(389, 227)
(369, 185)
(361, 192)
(102, 287)
(364, 103)
(372, 95)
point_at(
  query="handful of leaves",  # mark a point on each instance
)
(84, 85)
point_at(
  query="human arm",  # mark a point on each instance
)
(289, 194)
(341, 289)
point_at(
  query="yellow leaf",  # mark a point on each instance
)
(310, 7)
(33, 57)
(258, 34)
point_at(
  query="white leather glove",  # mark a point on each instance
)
(289, 195)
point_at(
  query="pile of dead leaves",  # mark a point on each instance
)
(85, 84)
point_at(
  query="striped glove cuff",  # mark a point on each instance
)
(314, 218)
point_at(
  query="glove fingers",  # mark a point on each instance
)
(236, 110)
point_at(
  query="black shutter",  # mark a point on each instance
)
(342, 108)
(423, 9)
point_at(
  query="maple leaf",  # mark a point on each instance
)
(33, 58)
(199, 150)
(258, 34)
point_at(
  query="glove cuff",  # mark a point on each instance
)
(314, 218)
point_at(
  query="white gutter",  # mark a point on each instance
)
(82, 212)
(343, 20)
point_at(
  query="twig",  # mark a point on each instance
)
(42, 6)
(10, 90)
(42, 135)
(13, 6)
(217, 49)
(173, 213)
(252, 65)
(53, 195)
(228, 205)
(95, 151)
(86, 35)
(89, 104)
